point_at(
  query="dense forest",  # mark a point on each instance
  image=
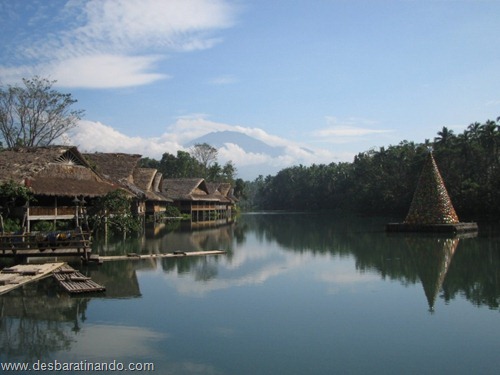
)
(383, 180)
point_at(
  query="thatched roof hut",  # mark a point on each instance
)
(52, 171)
(187, 189)
(123, 169)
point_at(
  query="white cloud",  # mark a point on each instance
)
(116, 43)
(91, 136)
(223, 80)
(115, 341)
(342, 131)
(240, 157)
(105, 71)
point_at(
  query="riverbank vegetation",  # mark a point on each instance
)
(383, 181)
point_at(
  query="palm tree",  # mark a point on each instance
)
(445, 136)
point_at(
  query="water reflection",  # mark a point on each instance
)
(282, 253)
(431, 256)
(260, 247)
(36, 320)
(410, 259)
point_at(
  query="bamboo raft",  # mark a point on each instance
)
(74, 282)
(16, 276)
(175, 254)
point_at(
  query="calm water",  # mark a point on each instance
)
(295, 294)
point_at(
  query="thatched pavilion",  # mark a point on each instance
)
(431, 209)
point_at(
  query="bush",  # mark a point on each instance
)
(172, 212)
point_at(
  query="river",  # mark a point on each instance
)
(295, 294)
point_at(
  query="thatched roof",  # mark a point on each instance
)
(431, 203)
(123, 169)
(148, 180)
(144, 177)
(26, 162)
(53, 171)
(226, 190)
(219, 191)
(187, 189)
(116, 167)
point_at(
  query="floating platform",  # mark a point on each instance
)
(433, 228)
(175, 254)
(74, 282)
(16, 276)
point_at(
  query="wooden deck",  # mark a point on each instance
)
(74, 282)
(16, 276)
(60, 243)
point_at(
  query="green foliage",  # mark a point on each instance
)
(172, 211)
(13, 195)
(149, 163)
(114, 210)
(384, 180)
(43, 226)
(11, 225)
(11, 190)
(180, 166)
(200, 163)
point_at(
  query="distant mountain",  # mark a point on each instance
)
(247, 143)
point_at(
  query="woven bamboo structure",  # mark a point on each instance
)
(431, 203)
(431, 209)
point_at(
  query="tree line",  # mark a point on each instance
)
(384, 180)
(377, 181)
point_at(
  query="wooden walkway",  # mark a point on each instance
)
(16, 276)
(175, 254)
(75, 282)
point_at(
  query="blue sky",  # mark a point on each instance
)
(331, 77)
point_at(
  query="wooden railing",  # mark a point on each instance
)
(52, 211)
(42, 241)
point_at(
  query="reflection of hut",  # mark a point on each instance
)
(120, 279)
(431, 209)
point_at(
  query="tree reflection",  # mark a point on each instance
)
(473, 273)
(32, 327)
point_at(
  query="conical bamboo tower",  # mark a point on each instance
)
(431, 209)
(431, 203)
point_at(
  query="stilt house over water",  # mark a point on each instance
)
(60, 178)
(431, 209)
(193, 196)
(144, 183)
